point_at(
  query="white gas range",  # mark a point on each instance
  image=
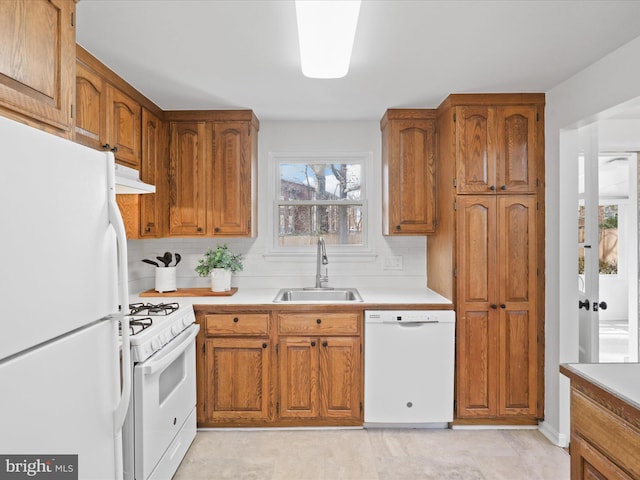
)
(161, 421)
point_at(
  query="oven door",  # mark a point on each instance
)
(164, 396)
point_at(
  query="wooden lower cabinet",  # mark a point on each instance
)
(319, 379)
(605, 426)
(237, 379)
(274, 368)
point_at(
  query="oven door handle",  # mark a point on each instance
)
(154, 365)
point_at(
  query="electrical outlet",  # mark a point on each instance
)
(392, 263)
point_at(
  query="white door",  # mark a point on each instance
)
(607, 253)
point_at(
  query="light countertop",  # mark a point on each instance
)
(620, 379)
(372, 297)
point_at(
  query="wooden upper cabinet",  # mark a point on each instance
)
(214, 169)
(496, 148)
(123, 127)
(188, 179)
(91, 104)
(37, 54)
(233, 160)
(408, 172)
(153, 170)
(106, 118)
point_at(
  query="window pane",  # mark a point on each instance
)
(303, 224)
(608, 239)
(320, 181)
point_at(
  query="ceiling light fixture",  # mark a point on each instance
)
(326, 30)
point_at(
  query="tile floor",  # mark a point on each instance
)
(380, 454)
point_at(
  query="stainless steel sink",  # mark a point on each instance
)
(317, 295)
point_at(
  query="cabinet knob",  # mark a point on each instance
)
(106, 146)
(199, 229)
(318, 321)
(264, 345)
(148, 229)
(217, 229)
(398, 227)
(494, 306)
(235, 319)
(324, 344)
(503, 187)
(313, 344)
(502, 305)
(492, 188)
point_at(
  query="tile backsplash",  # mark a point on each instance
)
(396, 262)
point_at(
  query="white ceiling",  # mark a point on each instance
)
(243, 54)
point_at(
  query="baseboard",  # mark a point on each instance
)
(555, 437)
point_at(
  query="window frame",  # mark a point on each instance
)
(365, 159)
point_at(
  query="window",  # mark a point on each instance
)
(320, 196)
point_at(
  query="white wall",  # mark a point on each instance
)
(583, 99)
(263, 271)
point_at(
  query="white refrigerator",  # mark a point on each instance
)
(63, 276)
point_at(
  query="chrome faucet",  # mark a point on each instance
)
(322, 260)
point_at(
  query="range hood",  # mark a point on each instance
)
(128, 181)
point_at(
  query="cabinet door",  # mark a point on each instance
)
(477, 316)
(475, 149)
(237, 378)
(152, 171)
(123, 127)
(299, 377)
(91, 101)
(516, 149)
(340, 385)
(518, 321)
(37, 64)
(231, 212)
(187, 179)
(411, 177)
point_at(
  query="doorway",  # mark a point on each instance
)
(607, 251)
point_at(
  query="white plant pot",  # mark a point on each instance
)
(166, 279)
(220, 280)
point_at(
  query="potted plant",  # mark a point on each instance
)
(220, 264)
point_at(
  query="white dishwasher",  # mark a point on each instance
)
(409, 368)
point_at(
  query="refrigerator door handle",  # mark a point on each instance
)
(123, 283)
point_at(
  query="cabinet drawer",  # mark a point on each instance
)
(613, 436)
(236, 324)
(319, 323)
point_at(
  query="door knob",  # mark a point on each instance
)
(601, 305)
(584, 304)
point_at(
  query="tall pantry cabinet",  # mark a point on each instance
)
(488, 249)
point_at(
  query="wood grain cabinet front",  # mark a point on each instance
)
(487, 252)
(408, 172)
(234, 369)
(107, 118)
(37, 54)
(320, 368)
(213, 174)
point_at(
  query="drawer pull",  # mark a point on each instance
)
(235, 319)
(318, 321)
(313, 344)
(264, 345)
(324, 344)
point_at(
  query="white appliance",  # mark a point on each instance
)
(409, 368)
(63, 276)
(161, 422)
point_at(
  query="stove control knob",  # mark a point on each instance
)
(155, 344)
(175, 329)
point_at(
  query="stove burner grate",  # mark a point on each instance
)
(136, 325)
(151, 309)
